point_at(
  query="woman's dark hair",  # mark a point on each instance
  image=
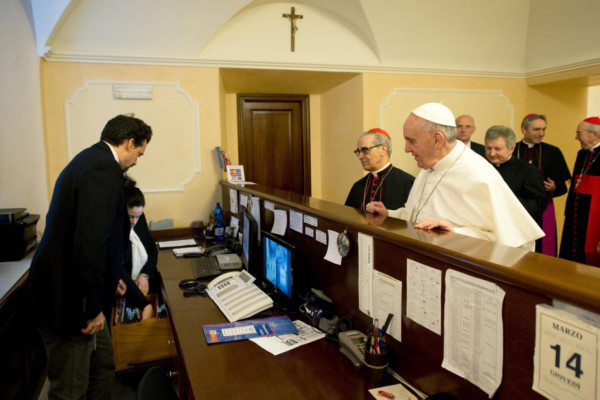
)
(133, 195)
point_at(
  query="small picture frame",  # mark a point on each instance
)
(235, 173)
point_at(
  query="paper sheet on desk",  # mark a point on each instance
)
(177, 243)
(332, 254)
(399, 392)
(178, 252)
(280, 223)
(282, 343)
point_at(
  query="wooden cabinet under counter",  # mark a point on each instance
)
(142, 343)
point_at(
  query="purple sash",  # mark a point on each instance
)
(549, 226)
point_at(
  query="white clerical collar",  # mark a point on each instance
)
(449, 158)
(112, 150)
(374, 173)
(528, 144)
(595, 146)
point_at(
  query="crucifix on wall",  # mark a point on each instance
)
(293, 17)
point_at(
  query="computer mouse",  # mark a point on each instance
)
(187, 283)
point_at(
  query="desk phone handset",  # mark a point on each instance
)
(216, 249)
(352, 345)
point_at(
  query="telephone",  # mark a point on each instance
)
(237, 296)
(352, 345)
(216, 249)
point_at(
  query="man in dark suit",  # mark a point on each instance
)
(75, 271)
(465, 128)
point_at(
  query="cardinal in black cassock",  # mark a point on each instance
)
(384, 182)
(581, 231)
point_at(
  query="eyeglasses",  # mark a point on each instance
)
(365, 150)
(580, 133)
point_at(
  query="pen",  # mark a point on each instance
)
(385, 394)
(387, 324)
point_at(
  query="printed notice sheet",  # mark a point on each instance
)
(473, 332)
(296, 221)
(566, 364)
(333, 255)
(365, 273)
(387, 299)
(282, 343)
(233, 201)
(256, 213)
(321, 237)
(424, 295)
(280, 222)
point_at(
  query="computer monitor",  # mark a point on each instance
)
(278, 266)
(249, 243)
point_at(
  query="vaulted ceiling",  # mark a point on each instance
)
(508, 38)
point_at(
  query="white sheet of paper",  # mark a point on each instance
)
(310, 220)
(234, 223)
(566, 363)
(169, 244)
(282, 343)
(424, 295)
(296, 221)
(269, 206)
(387, 299)
(243, 200)
(365, 273)
(398, 390)
(280, 222)
(332, 254)
(321, 237)
(178, 252)
(233, 201)
(473, 330)
(309, 231)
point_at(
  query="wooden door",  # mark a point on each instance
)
(274, 140)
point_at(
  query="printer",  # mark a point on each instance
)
(18, 235)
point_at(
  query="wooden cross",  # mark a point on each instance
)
(293, 17)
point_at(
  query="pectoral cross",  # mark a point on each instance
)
(293, 17)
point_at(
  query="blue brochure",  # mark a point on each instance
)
(231, 331)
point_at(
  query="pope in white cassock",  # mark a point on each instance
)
(458, 190)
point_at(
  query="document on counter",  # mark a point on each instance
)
(282, 343)
(473, 330)
(232, 331)
(181, 251)
(424, 295)
(280, 222)
(169, 244)
(365, 273)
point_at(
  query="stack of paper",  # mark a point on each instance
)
(181, 251)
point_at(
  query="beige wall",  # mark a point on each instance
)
(337, 116)
(341, 123)
(198, 197)
(22, 155)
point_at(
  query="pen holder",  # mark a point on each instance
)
(376, 365)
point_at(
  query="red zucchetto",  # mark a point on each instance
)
(592, 120)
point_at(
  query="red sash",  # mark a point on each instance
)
(590, 185)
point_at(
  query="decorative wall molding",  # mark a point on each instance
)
(176, 139)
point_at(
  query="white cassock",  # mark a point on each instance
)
(466, 189)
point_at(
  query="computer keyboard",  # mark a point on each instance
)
(205, 267)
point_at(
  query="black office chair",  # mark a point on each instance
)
(156, 385)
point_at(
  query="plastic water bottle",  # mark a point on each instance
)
(219, 227)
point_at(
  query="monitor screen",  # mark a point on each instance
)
(249, 240)
(278, 259)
